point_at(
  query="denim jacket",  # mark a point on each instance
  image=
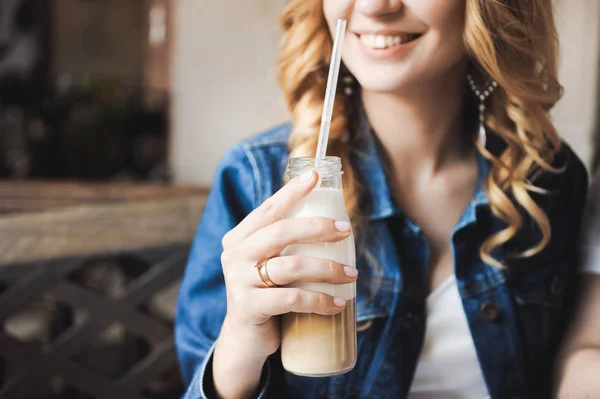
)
(516, 315)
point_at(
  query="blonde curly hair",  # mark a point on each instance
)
(513, 42)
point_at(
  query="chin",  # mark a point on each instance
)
(383, 87)
(385, 77)
(384, 83)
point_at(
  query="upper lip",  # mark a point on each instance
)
(384, 32)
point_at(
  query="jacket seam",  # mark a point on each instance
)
(255, 173)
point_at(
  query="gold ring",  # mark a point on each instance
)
(263, 274)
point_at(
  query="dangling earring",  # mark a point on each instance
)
(348, 84)
(482, 96)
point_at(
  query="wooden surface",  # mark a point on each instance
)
(34, 196)
(69, 220)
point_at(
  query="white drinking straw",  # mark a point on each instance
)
(332, 80)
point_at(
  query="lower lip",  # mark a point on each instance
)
(389, 51)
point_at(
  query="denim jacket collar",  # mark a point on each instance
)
(376, 183)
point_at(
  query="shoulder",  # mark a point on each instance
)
(275, 137)
(574, 166)
(258, 162)
(560, 194)
(270, 143)
(572, 180)
(572, 171)
(592, 212)
(564, 190)
(564, 200)
(595, 189)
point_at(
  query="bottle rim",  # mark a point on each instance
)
(328, 167)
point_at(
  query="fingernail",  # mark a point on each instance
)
(350, 271)
(344, 227)
(306, 176)
(339, 302)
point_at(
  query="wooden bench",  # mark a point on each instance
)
(104, 261)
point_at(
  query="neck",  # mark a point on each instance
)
(424, 127)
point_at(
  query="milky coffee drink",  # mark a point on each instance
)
(315, 345)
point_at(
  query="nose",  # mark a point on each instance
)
(378, 8)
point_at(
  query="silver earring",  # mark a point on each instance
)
(348, 85)
(482, 95)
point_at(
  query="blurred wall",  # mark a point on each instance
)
(98, 37)
(578, 23)
(225, 87)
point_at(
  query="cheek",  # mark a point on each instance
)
(446, 21)
(454, 24)
(447, 16)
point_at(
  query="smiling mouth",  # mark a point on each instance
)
(382, 42)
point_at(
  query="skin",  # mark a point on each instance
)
(579, 367)
(413, 101)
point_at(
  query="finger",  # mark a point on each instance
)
(277, 301)
(274, 208)
(271, 240)
(288, 269)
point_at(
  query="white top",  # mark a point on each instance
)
(448, 367)
(590, 236)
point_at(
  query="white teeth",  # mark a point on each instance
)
(369, 40)
(383, 42)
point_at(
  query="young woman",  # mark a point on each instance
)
(580, 365)
(466, 237)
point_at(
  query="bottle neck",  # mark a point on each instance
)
(329, 170)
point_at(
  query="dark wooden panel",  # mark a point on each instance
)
(70, 372)
(29, 361)
(102, 308)
(48, 255)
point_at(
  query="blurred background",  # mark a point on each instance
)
(113, 116)
(137, 90)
